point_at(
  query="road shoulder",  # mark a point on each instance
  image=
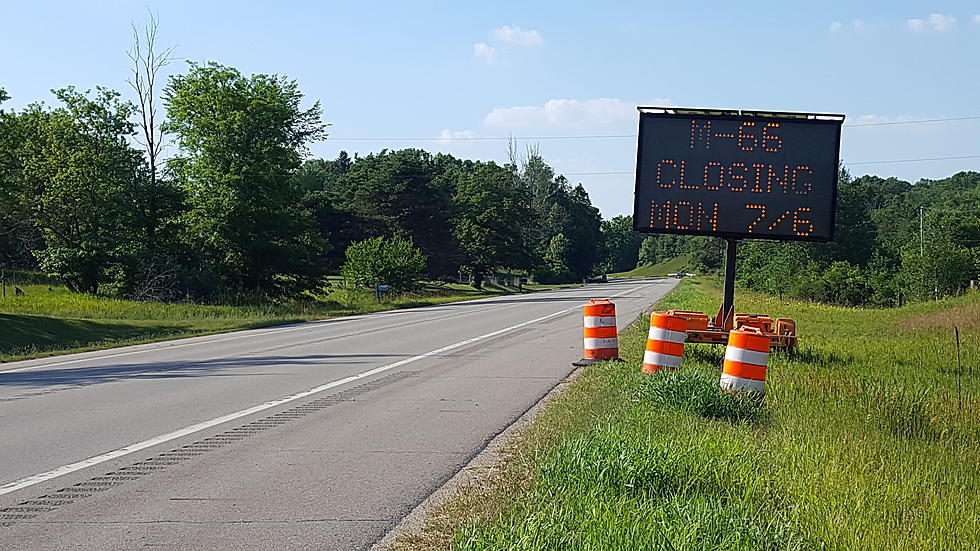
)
(474, 473)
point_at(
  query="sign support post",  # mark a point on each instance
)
(733, 175)
(728, 302)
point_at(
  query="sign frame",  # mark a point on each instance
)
(745, 116)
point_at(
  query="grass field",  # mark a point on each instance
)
(869, 439)
(50, 320)
(680, 263)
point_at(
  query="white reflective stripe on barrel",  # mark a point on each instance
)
(656, 358)
(731, 382)
(746, 356)
(593, 343)
(600, 321)
(661, 334)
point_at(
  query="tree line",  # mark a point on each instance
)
(238, 210)
(469, 217)
(893, 241)
(625, 249)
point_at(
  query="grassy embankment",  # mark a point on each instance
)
(50, 320)
(674, 265)
(869, 440)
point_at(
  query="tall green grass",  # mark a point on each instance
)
(868, 439)
(59, 302)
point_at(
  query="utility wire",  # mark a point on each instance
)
(484, 138)
(624, 136)
(596, 173)
(914, 160)
(631, 172)
(959, 157)
(912, 121)
(604, 136)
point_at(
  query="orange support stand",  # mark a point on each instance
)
(701, 329)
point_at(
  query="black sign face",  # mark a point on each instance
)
(762, 176)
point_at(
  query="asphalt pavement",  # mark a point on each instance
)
(318, 435)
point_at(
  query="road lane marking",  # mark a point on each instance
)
(163, 346)
(250, 333)
(306, 325)
(120, 452)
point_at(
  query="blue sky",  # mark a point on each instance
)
(431, 70)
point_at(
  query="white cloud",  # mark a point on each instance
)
(976, 19)
(936, 22)
(517, 35)
(854, 25)
(940, 22)
(567, 112)
(448, 134)
(484, 51)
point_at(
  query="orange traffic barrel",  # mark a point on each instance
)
(746, 358)
(665, 342)
(601, 337)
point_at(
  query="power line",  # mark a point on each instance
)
(485, 138)
(951, 119)
(596, 173)
(604, 136)
(914, 160)
(959, 157)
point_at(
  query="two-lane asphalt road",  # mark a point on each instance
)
(313, 436)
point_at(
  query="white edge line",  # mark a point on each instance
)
(163, 346)
(120, 452)
(204, 339)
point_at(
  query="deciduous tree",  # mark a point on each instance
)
(18, 237)
(407, 191)
(80, 164)
(491, 215)
(621, 245)
(242, 139)
(157, 259)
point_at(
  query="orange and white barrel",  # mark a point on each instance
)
(746, 358)
(601, 338)
(665, 342)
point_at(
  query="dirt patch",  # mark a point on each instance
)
(966, 317)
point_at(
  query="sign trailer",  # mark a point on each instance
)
(737, 174)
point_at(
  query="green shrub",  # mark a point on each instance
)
(378, 261)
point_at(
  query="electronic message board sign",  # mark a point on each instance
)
(737, 174)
